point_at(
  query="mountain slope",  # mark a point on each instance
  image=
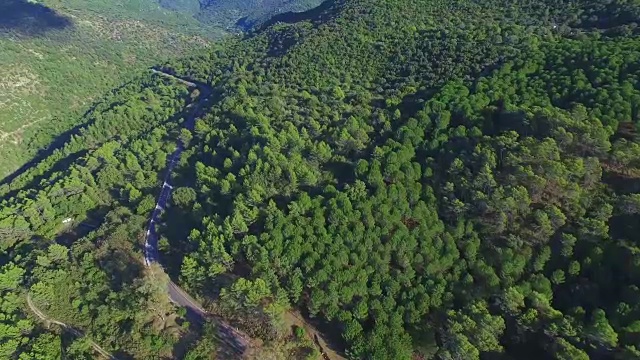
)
(58, 60)
(233, 14)
(420, 179)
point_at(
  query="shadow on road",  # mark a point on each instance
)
(30, 19)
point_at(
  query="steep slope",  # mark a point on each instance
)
(237, 15)
(420, 179)
(61, 56)
(115, 286)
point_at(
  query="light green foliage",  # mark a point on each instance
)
(566, 351)
(445, 160)
(601, 330)
(253, 301)
(82, 195)
(481, 330)
(245, 294)
(12, 321)
(437, 179)
(44, 347)
(146, 205)
(184, 197)
(52, 77)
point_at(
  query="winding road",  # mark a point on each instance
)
(234, 338)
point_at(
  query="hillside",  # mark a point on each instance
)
(61, 56)
(237, 15)
(372, 179)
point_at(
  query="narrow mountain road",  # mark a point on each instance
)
(238, 341)
(231, 336)
(72, 330)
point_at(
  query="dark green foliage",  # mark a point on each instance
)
(400, 178)
(437, 179)
(59, 57)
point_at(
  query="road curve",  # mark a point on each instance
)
(231, 336)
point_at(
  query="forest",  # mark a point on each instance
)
(374, 179)
(59, 57)
(237, 15)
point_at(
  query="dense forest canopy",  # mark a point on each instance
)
(416, 179)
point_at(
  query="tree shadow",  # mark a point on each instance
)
(325, 11)
(123, 355)
(176, 226)
(186, 342)
(58, 142)
(12, 184)
(30, 19)
(61, 164)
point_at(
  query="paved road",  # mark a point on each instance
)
(234, 338)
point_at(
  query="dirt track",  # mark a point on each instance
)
(66, 327)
